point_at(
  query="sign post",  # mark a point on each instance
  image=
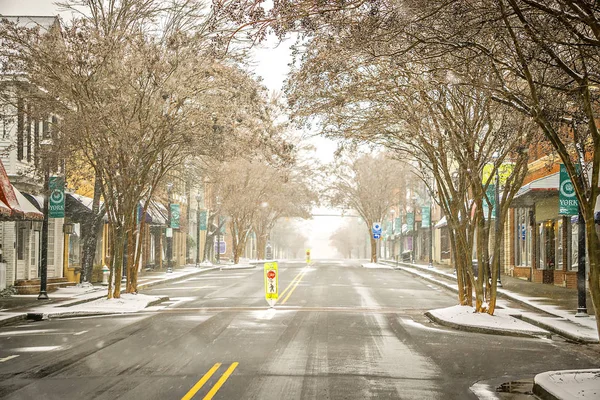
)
(271, 283)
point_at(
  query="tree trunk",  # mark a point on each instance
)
(373, 249)
(261, 245)
(117, 267)
(131, 254)
(90, 232)
(593, 253)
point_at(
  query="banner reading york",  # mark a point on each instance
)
(567, 200)
(56, 198)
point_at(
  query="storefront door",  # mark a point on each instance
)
(549, 252)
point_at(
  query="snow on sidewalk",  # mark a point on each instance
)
(127, 303)
(569, 384)
(575, 328)
(463, 317)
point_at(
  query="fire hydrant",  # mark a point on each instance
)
(105, 274)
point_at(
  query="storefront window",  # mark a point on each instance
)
(541, 246)
(522, 238)
(75, 246)
(574, 246)
(559, 243)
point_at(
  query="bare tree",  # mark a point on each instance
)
(368, 185)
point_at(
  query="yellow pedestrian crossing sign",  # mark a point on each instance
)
(271, 283)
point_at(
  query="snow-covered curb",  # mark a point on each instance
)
(237, 266)
(376, 266)
(463, 318)
(567, 385)
(127, 303)
(578, 329)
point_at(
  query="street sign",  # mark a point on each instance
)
(56, 203)
(271, 283)
(222, 248)
(376, 230)
(269, 252)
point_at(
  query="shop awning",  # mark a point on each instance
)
(441, 223)
(78, 208)
(535, 190)
(157, 213)
(4, 210)
(13, 205)
(29, 210)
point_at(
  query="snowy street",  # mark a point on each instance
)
(339, 331)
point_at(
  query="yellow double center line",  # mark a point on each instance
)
(205, 379)
(293, 285)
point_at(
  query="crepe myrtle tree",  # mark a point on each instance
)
(254, 195)
(136, 96)
(450, 129)
(540, 59)
(368, 184)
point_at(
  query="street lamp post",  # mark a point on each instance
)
(169, 230)
(43, 295)
(430, 237)
(198, 199)
(497, 216)
(218, 247)
(392, 241)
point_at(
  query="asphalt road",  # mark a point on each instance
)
(339, 331)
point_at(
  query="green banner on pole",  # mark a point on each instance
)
(567, 200)
(410, 221)
(425, 217)
(175, 212)
(398, 226)
(491, 195)
(202, 220)
(56, 199)
(222, 225)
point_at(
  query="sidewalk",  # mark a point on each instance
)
(67, 301)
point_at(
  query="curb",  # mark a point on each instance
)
(37, 316)
(539, 324)
(83, 301)
(556, 330)
(155, 283)
(234, 268)
(479, 329)
(542, 393)
(14, 318)
(70, 314)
